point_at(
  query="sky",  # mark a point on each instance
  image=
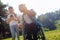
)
(40, 6)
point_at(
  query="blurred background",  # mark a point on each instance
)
(48, 13)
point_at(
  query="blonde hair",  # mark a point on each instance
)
(22, 5)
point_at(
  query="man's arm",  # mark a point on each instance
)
(8, 21)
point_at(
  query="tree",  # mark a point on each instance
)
(48, 20)
(3, 25)
(2, 9)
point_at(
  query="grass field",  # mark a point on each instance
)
(53, 35)
(50, 35)
(21, 38)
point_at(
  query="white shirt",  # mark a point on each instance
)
(12, 22)
(27, 19)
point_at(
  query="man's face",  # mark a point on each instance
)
(11, 10)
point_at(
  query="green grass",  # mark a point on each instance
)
(57, 24)
(21, 38)
(53, 35)
(50, 35)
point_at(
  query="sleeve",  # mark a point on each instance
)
(21, 19)
(8, 17)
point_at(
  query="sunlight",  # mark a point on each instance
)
(40, 6)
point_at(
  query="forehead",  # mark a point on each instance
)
(10, 8)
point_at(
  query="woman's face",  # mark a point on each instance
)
(22, 9)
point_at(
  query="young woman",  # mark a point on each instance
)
(29, 26)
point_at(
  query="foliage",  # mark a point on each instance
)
(57, 24)
(2, 9)
(48, 19)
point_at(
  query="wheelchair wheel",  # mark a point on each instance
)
(41, 35)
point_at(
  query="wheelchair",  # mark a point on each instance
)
(40, 34)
